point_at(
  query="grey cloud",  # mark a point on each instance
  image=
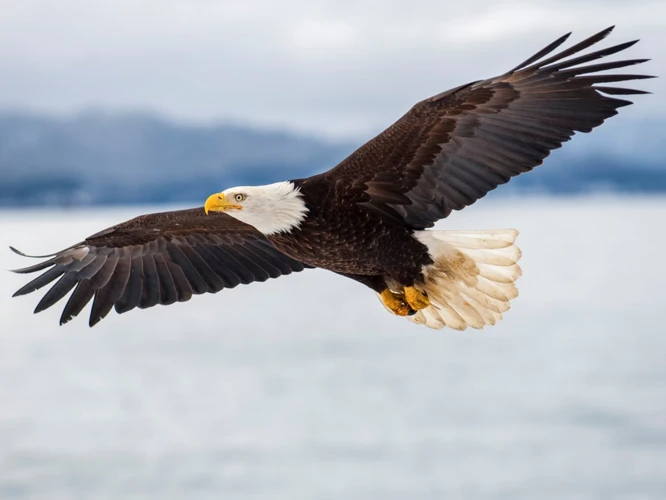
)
(337, 68)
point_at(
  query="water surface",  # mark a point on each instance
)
(305, 388)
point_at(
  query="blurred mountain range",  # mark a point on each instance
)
(101, 158)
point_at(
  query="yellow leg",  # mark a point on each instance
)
(417, 300)
(396, 303)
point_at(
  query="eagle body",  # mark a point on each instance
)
(371, 217)
(336, 226)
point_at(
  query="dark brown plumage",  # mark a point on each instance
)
(447, 152)
(157, 259)
(453, 148)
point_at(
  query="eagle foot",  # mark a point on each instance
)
(416, 299)
(396, 303)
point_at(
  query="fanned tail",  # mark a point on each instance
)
(472, 279)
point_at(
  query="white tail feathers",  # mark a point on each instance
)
(472, 279)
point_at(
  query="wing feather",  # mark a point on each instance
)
(183, 288)
(178, 255)
(168, 294)
(63, 286)
(82, 294)
(109, 294)
(150, 292)
(42, 280)
(132, 293)
(212, 281)
(221, 267)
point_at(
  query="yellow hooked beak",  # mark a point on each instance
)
(218, 203)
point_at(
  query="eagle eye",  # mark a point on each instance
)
(239, 197)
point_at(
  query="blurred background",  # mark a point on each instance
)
(304, 387)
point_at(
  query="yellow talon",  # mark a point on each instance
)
(396, 303)
(416, 299)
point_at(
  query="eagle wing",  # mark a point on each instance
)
(155, 259)
(451, 149)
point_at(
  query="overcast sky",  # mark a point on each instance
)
(339, 68)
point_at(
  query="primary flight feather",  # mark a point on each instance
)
(368, 217)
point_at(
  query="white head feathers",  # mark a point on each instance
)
(273, 208)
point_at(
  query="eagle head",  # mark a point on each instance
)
(273, 208)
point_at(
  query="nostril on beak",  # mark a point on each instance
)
(219, 197)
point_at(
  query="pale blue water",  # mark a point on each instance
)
(305, 388)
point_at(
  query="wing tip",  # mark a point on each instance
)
(563, 38)
(39, 308)
(537, 61)
(64, 320)
(22, 254)
(606, 31)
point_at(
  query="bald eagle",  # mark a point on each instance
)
(368, 217)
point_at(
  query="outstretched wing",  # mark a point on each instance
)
(450, 150)
(155, 259)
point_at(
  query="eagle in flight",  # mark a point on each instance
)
(368, 218)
